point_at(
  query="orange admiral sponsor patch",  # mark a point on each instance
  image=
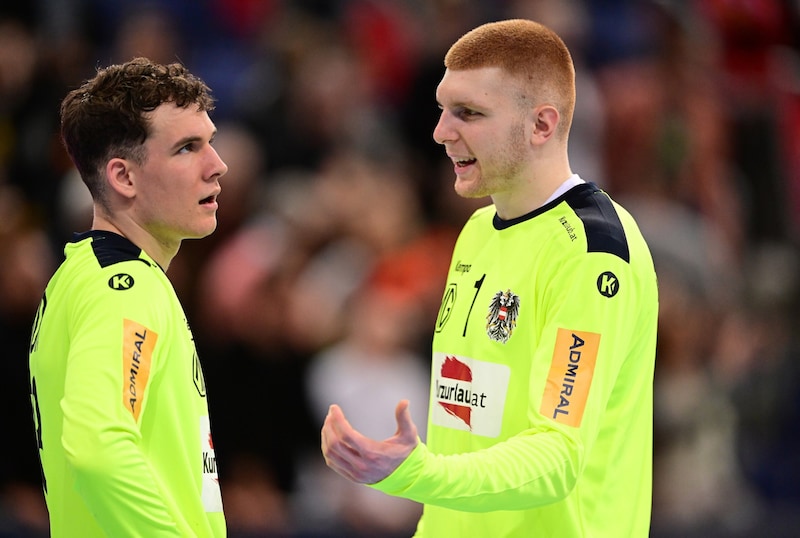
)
(138, 343)
(570, 376)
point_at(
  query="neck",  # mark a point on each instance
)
(122, 225)
(532, 189)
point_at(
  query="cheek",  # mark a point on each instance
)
(512, 142)
(492, 151)
(169, 192)
(492, 143)
(162, 201)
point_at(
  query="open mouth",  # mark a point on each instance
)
(461, 163)
(208, 200)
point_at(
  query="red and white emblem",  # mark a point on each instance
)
(502, 317)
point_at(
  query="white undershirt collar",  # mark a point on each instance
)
(571, 181)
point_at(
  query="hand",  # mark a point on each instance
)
(361, 459)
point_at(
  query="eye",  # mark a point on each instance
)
(187, 148)
(467, 113)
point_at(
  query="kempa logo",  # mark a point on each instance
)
(120, 281)
(607, 284)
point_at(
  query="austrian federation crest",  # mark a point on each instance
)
(502, 317)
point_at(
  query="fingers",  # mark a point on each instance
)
(406, 429)
(335, 413)
(334, 448)
(340, 462)
(340, 429)
(339, 439)
(343, 447)
(402, 407)
(359, 458)
(335, 429)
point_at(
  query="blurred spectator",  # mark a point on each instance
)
(26, 263)
(148, 31)
(367, 372)
(699, 485)
(758, 69)
(324, 99)
(29, 96)
(758, 362)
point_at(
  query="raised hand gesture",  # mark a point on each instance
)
(361, 459)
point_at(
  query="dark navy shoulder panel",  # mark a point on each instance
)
(110, 248)
(604, 231)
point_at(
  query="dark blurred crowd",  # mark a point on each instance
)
(337, 219)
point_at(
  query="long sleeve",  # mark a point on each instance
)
(103, 442)
(533, 468)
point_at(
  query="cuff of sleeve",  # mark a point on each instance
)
(406, 473)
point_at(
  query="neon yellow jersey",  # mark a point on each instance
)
(540, 421)
(119, 400)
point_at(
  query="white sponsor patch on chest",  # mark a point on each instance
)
(469, 394)
(212, 498)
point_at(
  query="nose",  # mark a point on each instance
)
(443, 133)
(218, 166)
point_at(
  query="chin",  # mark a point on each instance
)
(202, 232)
(468, 190)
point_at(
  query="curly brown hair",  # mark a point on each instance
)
(106, 116)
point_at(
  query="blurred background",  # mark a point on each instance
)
(337, 219)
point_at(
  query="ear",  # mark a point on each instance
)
(120, 177)
(545, 122)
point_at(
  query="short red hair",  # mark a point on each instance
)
(529, 52)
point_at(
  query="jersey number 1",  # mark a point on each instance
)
(478, 284)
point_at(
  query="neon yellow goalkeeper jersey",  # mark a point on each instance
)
(119, 400)
(540, 423)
